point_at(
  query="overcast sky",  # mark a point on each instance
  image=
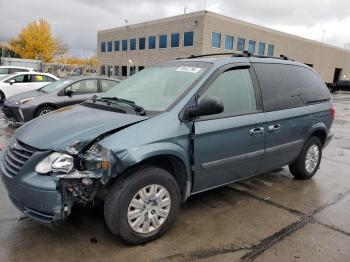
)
(76, 22)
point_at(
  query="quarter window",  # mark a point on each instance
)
(175, 40)
(240, 44)
(229, 42)
(235, 88)
(163, 41)
(215, 39)
(188, 39)
(251, 46)
(151, 42)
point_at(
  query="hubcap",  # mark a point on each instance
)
(311, 160)
(149, 209)
(44, 112)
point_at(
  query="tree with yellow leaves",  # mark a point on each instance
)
(35, 41)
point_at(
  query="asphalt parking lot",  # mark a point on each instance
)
(272, 217)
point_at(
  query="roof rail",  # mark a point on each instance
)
(245, 53)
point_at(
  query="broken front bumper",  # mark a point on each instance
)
(35, 195)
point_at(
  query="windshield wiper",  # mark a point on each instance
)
(131, 103)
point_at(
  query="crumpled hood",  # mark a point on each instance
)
(62, 127)
(25, 95)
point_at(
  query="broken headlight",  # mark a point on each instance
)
(55, 162)
(99, 160)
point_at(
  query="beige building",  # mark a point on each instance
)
(125, 50)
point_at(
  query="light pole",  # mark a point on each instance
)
(321, 51)
(346, 49)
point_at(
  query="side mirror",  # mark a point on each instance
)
(69, 93)
(12, 81)
(207, 106)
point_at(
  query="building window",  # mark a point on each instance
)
(116, 46)
(251, 46)
(151, 42)
(124, 45)
(175, 40)
(188, 38)
(133, 44)
(102, 70)
(141, 68)
(240, 44)
(163, 41)
(229, 42)
(270, 50)
(103, 47)
(261, 48)
(109, 46)
(142, 43)
(124, 71)
(215, 39)
(109, 71)
(116, 70)
(132, 70)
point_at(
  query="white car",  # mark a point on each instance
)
(16, 83)
(5, 70)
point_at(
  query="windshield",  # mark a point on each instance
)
(56, 85)
(156, 88)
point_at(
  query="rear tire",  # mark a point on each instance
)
(44, 110)
(309, 160)
(153, 213)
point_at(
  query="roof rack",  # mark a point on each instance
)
(245, 53)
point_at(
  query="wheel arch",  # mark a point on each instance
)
(168, 156)
(42, 105)
(319, 130)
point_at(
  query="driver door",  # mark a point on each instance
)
(229, 146)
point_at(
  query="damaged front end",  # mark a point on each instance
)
(81, 174)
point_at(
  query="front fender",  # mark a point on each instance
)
(136, 155)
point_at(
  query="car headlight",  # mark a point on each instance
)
(99, 160)
(55, 162)
(23, 101)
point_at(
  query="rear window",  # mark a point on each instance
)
(288, 86)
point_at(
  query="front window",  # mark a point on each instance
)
(55, 85)
(157, 88)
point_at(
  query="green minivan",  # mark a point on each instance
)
(166, 133)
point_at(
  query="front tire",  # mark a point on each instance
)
(142, 206)
(2, 97)
(44, 110)
(309, 160)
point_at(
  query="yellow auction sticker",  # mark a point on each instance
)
(39, 78)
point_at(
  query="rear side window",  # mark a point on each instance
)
(235, 88)
(289, 86)
(107, 84)
(14, 70)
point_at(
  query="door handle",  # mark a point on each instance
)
(256, 131)
(274, 128)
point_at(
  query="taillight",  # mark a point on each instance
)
(333, 111)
